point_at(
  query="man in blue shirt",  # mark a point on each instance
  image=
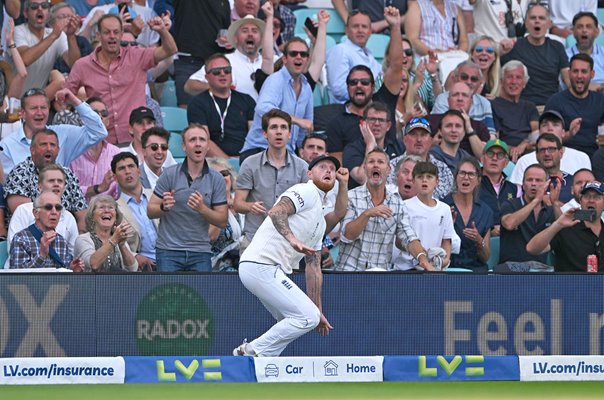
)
(73, 140)
(585, 31)
(289, 91)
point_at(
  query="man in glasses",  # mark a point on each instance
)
(287, 90)
(515, 118)
(549, 151)
(155, 152)
(578, 101)
(118, 74)
(133, 202)
(226, 113)
(573, 239)
(39, 245)
(73, 140)
(141, 119)
(22, 182)
(353, 51)
(480, 110)
(525, 216)
(40, 47)
(245, 35)
(93, 168)
(544, 58)
(52, 178)
(572, 160)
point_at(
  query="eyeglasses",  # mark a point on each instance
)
(49, 207)
(103, 113)
(500, 155)
(34, 92)
(155, 146)
(544, 150)
(465, 77)
(373, 120)
(480, 49)
(362, 81)
(216, 71)
(225, 172)
(125, 43)
(417, 120)
(467, 174)
(35, 6)
(408, 52)
(296, 53)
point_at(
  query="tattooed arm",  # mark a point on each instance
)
(279, 214)
(314, 282)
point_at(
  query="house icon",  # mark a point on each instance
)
(331, 368)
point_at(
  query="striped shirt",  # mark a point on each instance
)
(437, 31)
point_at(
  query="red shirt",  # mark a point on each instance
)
(122, 87)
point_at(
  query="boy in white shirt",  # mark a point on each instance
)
(430, 218)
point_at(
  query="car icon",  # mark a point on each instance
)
(271, 370)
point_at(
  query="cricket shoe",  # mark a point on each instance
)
(243, 350)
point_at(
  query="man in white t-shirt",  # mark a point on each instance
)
(294, 228)
(51, 178)
(572, 160)
(40, 47)
(431, 219)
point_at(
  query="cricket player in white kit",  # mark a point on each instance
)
(295, 228)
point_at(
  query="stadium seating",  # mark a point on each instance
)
(329, 41)
(3, 253)
(494, 257)
(175, 119)
(168, 95)
(335, 28)
(176, 147)
(378, 43)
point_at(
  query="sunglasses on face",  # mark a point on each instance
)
(34, 92)
(408, 52)
(225, 172)
(155, 146)
(103, 113)
(216, 71)
(125, 43)
(35, 6)
(465, 77)
(49, 207)
(295, 53)
(362, 81)
(480, 49)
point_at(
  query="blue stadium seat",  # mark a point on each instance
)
(494, 257)
(176, 147)
(3, 253)
(600, 15)
(336, 26)
(175, 118)
(168, 95)
(329, 41)
(234, 163)
(508, 169)
(378, 43)
(458, 270)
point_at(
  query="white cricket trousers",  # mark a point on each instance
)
(294, 311)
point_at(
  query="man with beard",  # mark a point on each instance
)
(549, 153)
(375, 217)
(571, 239)
(344, 127)
(579, 102)
(245, 35)
(294, 228)
(586, 30)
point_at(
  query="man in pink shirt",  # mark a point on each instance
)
(118, 74)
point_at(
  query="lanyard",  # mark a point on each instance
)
(223, 114)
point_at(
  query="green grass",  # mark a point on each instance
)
(315, 391)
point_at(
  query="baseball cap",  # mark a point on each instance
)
(140, 113)
(234, 27)
(418, 122)
(551, 114)
(594, 185)
(322, 157)
(496, 143)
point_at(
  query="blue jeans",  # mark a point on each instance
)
(183, 260)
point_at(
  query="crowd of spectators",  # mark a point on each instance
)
(479, 122)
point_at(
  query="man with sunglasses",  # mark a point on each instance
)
(40, 47)
(226, 113)
(51, 178)
(155, 152)
(93, 168)
(39, 245)
(353, 51)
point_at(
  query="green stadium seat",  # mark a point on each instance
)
(175, 118)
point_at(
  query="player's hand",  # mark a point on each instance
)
(301, 247)
(324, 326)
(342, 176)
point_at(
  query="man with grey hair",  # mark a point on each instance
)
(39, 245)
(480, 110)
(61, 11)
(40, 46)
(515, 118)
